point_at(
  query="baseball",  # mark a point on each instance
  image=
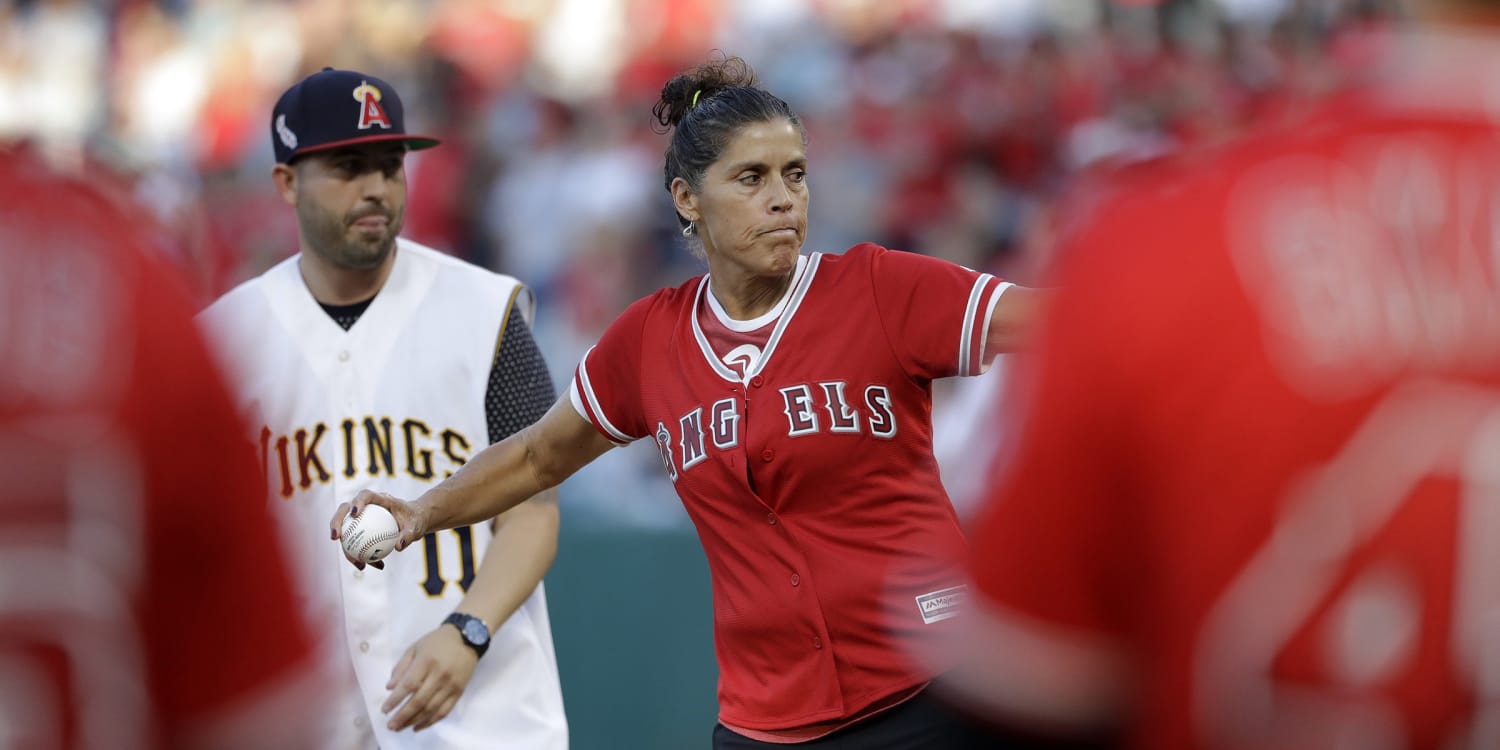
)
(371, 535)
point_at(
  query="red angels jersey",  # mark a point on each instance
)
(138, 608)
(807, 468)
(1260, 454)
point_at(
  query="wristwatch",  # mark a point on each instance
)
(475, 633)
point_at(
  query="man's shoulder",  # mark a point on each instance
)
(250, 295)
(449, 265)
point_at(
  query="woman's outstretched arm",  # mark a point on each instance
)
(497, 479)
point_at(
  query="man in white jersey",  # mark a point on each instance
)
(369, 361)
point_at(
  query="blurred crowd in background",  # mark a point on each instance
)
(946, 127)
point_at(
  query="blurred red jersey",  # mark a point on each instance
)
(140, 606)
(1254, 497)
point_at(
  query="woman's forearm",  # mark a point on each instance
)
(505, 474)
(495, 480)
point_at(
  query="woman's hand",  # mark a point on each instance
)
(411, 519)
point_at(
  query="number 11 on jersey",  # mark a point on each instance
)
(434, 583)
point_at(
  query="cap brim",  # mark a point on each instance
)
(413, 143)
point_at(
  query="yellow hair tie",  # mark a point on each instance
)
(695, 98)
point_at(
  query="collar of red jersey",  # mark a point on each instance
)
(717, 309)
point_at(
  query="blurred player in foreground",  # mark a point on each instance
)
(126, 471)
(1255, 497)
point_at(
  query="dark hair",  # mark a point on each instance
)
(704, 108)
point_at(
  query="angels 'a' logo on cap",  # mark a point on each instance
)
(285, 133)
(370, 111)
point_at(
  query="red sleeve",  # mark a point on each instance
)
(606, 387)
(935, 314)
(217, 607)
(1054, 539)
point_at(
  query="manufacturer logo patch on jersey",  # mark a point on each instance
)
(370, 111)
(288, 138)
(941, 605)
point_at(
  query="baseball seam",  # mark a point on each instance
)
(362, 551)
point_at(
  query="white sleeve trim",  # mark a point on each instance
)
(989, 317)
(577, 400)
(587, 391)
(971, 311)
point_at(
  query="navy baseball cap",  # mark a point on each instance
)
(333, 108)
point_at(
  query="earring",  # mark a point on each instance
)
(690, 229)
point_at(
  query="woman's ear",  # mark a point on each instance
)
(685, 199)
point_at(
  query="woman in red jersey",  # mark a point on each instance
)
(789, 394)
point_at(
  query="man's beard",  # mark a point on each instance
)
(329, 236)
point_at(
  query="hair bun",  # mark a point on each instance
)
(700, 83)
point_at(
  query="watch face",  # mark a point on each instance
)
(475, 631)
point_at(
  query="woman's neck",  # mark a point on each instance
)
(746, 296)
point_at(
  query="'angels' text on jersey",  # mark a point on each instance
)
(810, 409)
(377, 446)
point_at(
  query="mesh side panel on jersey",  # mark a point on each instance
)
(520, 389)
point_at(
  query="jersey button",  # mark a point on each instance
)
(344, 355)
(796, 580)
(771, 518)
(817, 643)
(364, 647)
(756, 381)
(359, 575)
(359, 722)
(767, 454)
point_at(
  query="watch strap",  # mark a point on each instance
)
(460, 622)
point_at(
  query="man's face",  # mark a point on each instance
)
(351, 203)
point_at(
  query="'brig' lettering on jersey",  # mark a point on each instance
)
(377, 446)
(809, 410)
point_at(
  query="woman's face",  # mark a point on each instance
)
(751, 209)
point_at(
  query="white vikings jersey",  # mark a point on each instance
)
(395, 404)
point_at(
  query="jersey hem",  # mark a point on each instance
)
(862, 700)
(819, 730)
